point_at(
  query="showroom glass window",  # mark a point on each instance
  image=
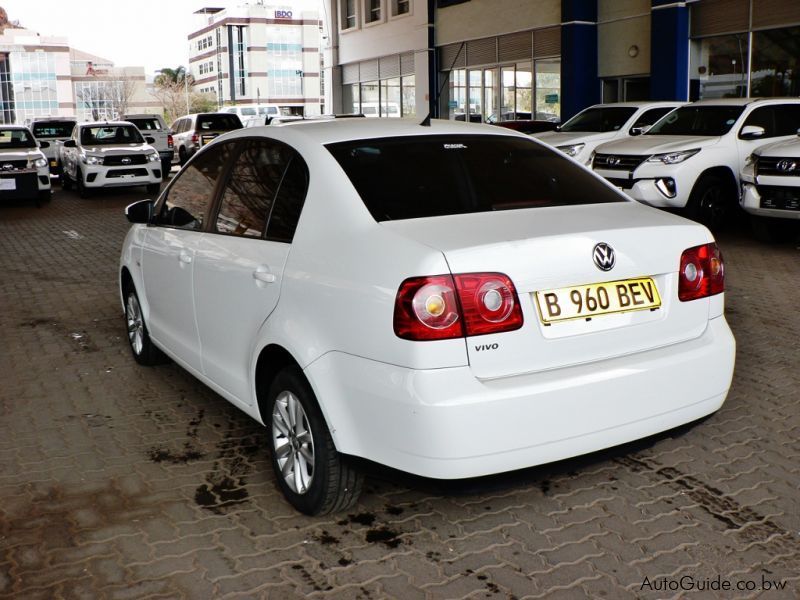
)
(251, 187)
(188, 199)
(719, 64)
(776, 59)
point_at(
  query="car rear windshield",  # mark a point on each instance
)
(110, 134)
(53, 129)
(146, 124)
(599, 120)
(698, 120)
(218, 123)
(16, 138)
(437, 175)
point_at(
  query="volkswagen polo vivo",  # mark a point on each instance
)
(452, 300)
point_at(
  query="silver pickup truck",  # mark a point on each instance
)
(153, 126)
(55, 131)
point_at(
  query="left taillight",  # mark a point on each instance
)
(442, 307)
(701, 274)
(170, 141)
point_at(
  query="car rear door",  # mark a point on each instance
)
(168, 255)
(239, 263)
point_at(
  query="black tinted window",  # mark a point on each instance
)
(189, 197)
(218, 122)
(762, 117)
(428, 176)
(649, 117)
(599, 119)
(251, 188)
(49, 129)
(110, 134)
(16, 138)
(787, 119)
(698, 120)
(289, 203)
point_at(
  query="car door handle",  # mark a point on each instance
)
(185, 257)
(263, 274)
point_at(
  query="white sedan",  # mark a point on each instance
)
(453, 300)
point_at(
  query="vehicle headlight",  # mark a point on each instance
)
(88, 159)
(673, 158)
(571, 149)
(153, 157)
(40, 163)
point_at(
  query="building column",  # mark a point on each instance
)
(669, 55)
(580, 86)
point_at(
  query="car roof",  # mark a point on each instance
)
(46, 119)
(744, 101)
(105, 124)
(640, 104)
(342, 130)
(14, 127)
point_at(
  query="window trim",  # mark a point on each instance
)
(343, 17)
(368, 11)
(393, 14)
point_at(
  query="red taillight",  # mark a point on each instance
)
(445, 307)
(702, 273)
(170, 143)
(195, 138)
(489, 302)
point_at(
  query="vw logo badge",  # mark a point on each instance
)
(126, 161)
(604, 257)
(613, 161)
(787, 165)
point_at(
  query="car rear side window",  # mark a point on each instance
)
(251, 188)
(188, 199)
(146, 124)
(437, 175)
(289, 202)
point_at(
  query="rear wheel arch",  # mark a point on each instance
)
(272, 359)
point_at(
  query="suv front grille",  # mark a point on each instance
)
(782, 198)
(132, 159)
(617, 162)
(15, 164)
(769, 165)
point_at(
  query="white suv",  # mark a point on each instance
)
(109, 154)
(602, 123)
(693, 156)
(771, 189)
(453, 300)
(24, 172)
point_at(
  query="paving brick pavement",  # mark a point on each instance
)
(118, 481)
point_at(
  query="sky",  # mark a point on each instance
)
(148, 33)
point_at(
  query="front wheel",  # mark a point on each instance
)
(142, 347)
(711, 202)
(83, 191)
(66, 182)
(182, 156)
(313, 476)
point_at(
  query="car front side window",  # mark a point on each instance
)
(187, 201)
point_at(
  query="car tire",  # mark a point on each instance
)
(83, 191)
(310, 472)
(66, 182)
(182, 156)
(771, 231)
(709, 203)
(142, 347)
(166, 166)
(154, 189)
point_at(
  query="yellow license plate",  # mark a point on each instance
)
(53, 163)
(588, 301)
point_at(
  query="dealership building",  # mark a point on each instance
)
(256, 53)
(548, 59)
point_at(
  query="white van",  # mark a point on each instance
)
(253, 115)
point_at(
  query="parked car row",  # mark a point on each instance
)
(700, 157)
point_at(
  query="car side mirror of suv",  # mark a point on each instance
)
(640, 130)
(44, 144)
(70, 144)
(150, 139)
(752, 132)
(140, 212)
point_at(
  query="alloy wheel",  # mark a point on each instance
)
(133, 314)
(293, 442)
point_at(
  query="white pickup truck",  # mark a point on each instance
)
(155, 127)
(55, 131)
(109, 154)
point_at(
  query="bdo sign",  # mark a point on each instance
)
(283, 14)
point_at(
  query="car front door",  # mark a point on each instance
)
(169, 251)
(239, 263)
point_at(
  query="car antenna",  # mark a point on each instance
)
(426, 122)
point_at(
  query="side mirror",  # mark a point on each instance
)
(640, 130)
(149, 139)
(70, 144)
(140, 212)
(752, 132)
(44, 144)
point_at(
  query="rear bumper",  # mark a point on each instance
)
(446, 424)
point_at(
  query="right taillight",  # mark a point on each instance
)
(170, 141)
(452, 306)
(701, 274)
